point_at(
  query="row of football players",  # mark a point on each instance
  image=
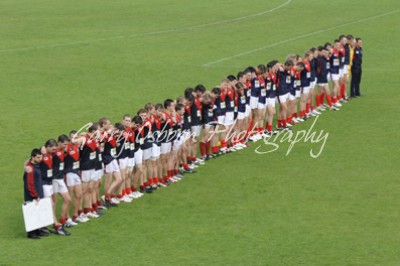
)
(155, 147)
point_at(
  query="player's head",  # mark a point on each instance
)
(216, 91)
(207, 98)
(136, 121)
(126, 120)
(300, 66)
(270, 65)
(224, 84)
(199, 90)
(328, 46)
(342, 39)
(120, 127)
(336, 44)
(142, 113)
(250, 72)
(288, 64)
(180, 109)
(169, 105)
(181, 100)
(261, 69)
(358, 42)
(36, 156)
(188, 91)
(239, 88)
(51, 146)
(308, 55)
(241, 77)
(105, 123)
(149, 107)
(63, 141)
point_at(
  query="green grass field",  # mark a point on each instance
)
(66, 63)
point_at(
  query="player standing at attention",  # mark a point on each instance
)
(356, 69)
(270, 83)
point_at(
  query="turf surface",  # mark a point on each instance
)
(66, 63)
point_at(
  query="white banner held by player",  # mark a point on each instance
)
(37, 215)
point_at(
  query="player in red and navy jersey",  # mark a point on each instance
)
(156, 146)
(184, 154)
(122, 153)
(146, 144)
(219, 111)
(73, 179)
(109, 156)
(322, 77)
(283, 83)
(335, 72)
(127, 122)
(305, 82)
(241, 125)
(345, 43)
(262, 100)
(270, 83)
(59, 186)
(229, 93)
(208, 122)
(137, 174)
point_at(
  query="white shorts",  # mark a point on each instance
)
(195, 131)
(176, 145)
(98, 174)
(271, 101)
(322, 84)
(48, 191)
(282, 98)
(341, 72)
(306, 90)
(73, 179)
(228, 118)
(88, 175)
(186, 135)
(59, 186)
(155, 152)
(123, 163)
(253, 102)
(241, 116)
(221, 120)
(312, 84)
(131, 162)
(112, 167)
(138, 157)
(346, 70)
(248, 110)
(335, 77)
(328, 77)
(147, 154)
(298, 94)
(205, 126)
(261, 106)
(165, 148)
(292, 97)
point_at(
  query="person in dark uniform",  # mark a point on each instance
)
(356, 69)
(33, 189)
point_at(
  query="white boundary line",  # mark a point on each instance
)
(297, 38)
(23, 49)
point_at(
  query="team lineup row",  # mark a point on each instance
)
(158, 145)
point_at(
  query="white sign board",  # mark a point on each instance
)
(37, 215)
